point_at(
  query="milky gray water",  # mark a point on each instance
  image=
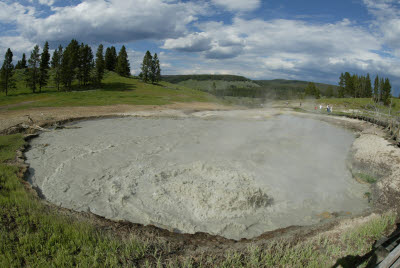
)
(233, 177)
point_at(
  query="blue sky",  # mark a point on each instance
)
(290, 39)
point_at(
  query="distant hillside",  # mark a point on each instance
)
(203, 77)
(239, 86)
(291, 84)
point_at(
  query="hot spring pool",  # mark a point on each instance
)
(232, 177)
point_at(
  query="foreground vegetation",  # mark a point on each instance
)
(34, 234)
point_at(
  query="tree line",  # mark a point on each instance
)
(74, 63)
(358, 86)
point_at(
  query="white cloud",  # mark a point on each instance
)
(13, 12)
(291, 49)
(17, 44)
(112, 21)
(195, 42)
(238, 5)
(47, 2)
(387, 15)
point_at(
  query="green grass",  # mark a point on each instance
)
(115, 90)
(8, 146)
(364, 104)
(366, 178)
(321, 251)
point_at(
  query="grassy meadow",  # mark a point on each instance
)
(114, 90)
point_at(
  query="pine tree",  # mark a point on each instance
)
(33, 69)
(362, 86)
(21, 64)
(6, 73)
(110, 58)
(341, 91)
(356, 85)
(56, 65)
(381, 86)
(368, 87)
(376, 89)
(386, 92)
(156, 69)
(44, 67)
(85, 64)
(146, 67)
(349, 85)
(123, 67)
(69, 63)
(100, 65)
(312, 90)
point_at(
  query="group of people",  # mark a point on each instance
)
(329, 108)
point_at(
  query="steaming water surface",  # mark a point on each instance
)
(233, 177)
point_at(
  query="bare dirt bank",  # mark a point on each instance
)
(10, 120)
(371, 147)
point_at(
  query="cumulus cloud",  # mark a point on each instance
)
(291, 49)
(195, 42)
(13, 12)
(266, 38)
(387, 15)
(106, 20)
(47, 2)
(238, 5)
(18, 45)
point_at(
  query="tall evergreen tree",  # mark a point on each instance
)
(146, 67)
(386, 92)
(381, 85)
(111, 58)
(33, 69)
(69, 63)
(362, 92)
(99, 65)
(156, 69)
(312, 90)
(341, 91)
(6, 73)
(56, 65)
(356, 86)
(123, 67)
(85, 64)
(349, 85)
(368, 87)
(44, 67)
(376, 89)
(21, 64)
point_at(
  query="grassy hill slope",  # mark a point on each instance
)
(115, 90)
(291, 84)
(239, 86)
